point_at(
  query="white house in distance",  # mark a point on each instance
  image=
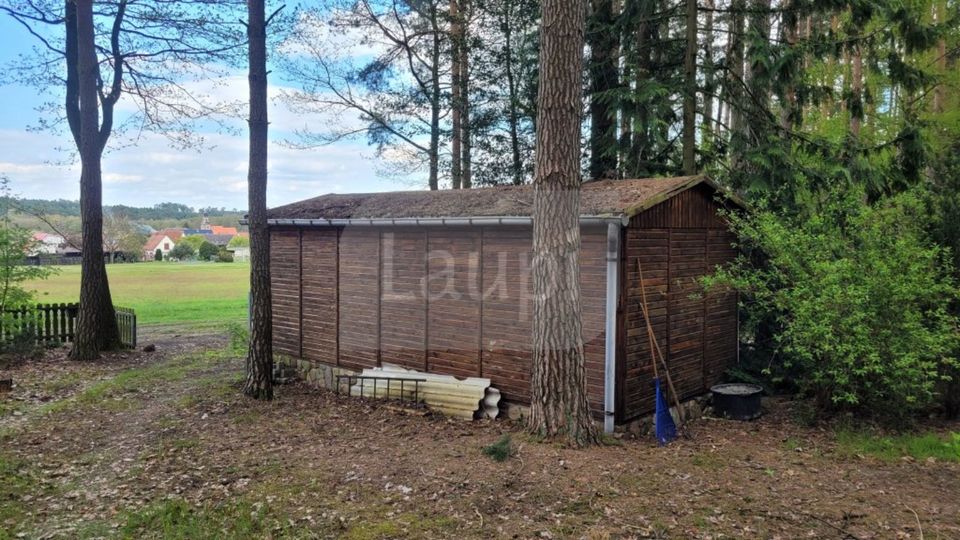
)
(163, 240)
(47, 243)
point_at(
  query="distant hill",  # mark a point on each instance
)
(164, 210)
(63, 217)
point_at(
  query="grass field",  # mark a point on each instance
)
(187, 294)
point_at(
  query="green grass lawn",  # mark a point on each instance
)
(920, 446)
(188, 294)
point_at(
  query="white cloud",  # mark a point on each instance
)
(151, 172)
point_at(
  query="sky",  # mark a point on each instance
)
(39, 165)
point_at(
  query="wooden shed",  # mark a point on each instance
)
(439, 281)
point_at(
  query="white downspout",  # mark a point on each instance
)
(610, 328)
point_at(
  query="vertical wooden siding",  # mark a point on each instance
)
(318, 259)
(593, 299)
(359, 298)
(720, 344)
(686, 310)
(285, 290)
(456, 301)
(453, 288)
(507, 310)
(652, 248)
(403, 310)
(677, 242)
(694, 208)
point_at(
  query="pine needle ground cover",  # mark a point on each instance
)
(163, 445)
(174, 294)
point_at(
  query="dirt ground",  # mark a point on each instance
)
(162, 444)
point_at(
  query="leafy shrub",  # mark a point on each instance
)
(193, 240)
(859, 299)
(19, 337)
(224, 256)
(239, 241)
(158, 255)
(945, 229)
(182, 251)
(19, 327)
(207, 251)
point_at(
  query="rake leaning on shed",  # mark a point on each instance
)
(663, 433)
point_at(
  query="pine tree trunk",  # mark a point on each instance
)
(559, 406)
(856, 91)
(690, 94)
(791, 36)
(97, 328)
(758, 81)
(456, 99)
(735, 93)
(603, 78)
(830, 76)
(512, 114)
(259, 381)
(466, 175)
(646, 36)
(940, 92)
(434, 181)
(709, 76)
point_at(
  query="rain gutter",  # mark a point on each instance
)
(428, 221)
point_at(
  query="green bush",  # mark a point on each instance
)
(224, 256)
(207, 251)
(239, 241)
(859, 298)
(182, 251)
(158, 255)
(193, 240)
(945, 229)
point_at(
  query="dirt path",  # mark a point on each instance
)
(162, 445)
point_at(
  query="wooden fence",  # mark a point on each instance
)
(127, 321)
(56, 323)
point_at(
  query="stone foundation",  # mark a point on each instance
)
(514, 411)
(316, 374)
(693, 408)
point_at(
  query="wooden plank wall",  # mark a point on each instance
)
(652, 248)
(686, 309)
(593, 300)
(453, 287)
(455, 301)
(359, 295)
(318, 259)
(507, 310)
(720, 345)
(403, 307)
(285, 289)
(677, 242)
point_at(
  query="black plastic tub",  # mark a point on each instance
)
(737, 401)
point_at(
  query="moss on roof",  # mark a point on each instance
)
(598, 198)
